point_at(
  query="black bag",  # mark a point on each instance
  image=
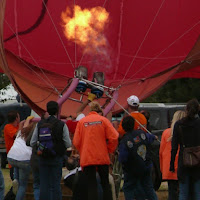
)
(10, 195)
(191, 155)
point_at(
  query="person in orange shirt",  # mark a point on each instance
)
(10, 132)
(95, 138)
(165, 156)
(133, 105)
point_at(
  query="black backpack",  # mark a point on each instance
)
(45, 138)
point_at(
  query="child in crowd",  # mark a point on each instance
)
(136, 162)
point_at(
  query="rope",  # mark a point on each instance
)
(59, 35)
(143, 39)
(16, 28)
(75, 38)
(164, 50)
(129, 114)
(119, 38)
(49, 82)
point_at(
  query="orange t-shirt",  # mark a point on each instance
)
(9, 135)
(139, 117)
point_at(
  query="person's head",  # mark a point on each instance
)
(13, 116)
(192, 108)
(133, 102)
(179, 114)
(52, 107)
(94, 106)
(146, 114)
(128, 123)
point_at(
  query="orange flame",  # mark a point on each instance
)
(86, 26)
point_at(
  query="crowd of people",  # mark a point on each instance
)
(85, 145)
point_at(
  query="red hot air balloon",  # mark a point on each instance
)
(136, 46)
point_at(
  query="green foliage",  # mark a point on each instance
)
(177, 91)
(4, 81)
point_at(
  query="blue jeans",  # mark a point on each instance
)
(24, 172)
(2, 186)
(36, 184)
(139, 188)
(50, 177)
(185, 186)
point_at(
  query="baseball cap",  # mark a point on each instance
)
(133, 100)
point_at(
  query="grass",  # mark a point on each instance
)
(7, 180)
(162, 193)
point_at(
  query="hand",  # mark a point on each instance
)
(172, 169)
(21, 124)
(91, 96)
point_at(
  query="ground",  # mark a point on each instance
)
(162, 193)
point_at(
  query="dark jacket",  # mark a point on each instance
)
(134, 161)
(186, 131)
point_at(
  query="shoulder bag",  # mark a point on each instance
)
(191, 155)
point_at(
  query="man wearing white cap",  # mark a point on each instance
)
(133, 104)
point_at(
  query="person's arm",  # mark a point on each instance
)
(34, 137)
(66, 138)
(162, 147)
(123, 153)
(174, 147)
(77, 137)
(81, 108)
(27, 121)
(21, 125)
(120, 129)
(151, 138)
(111, 135)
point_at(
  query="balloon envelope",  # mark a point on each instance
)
(146, 43)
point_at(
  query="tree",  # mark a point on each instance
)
(177, 91)
(4, 81)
